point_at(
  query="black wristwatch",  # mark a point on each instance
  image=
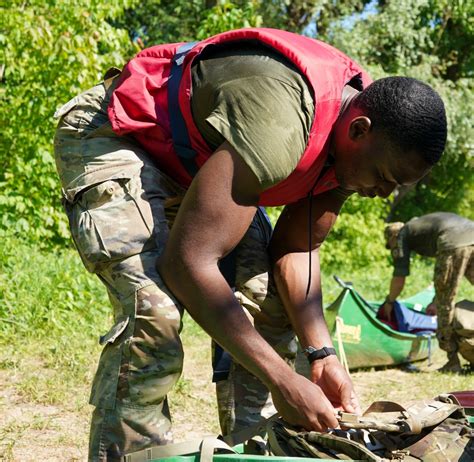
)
(313, 353)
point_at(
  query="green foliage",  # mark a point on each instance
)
(452, 34)
(227, 15)
(417, 38)
(52, 50)
(450, 186)
(48, 291)
(55, 49)
(357, 238)
(156, 22)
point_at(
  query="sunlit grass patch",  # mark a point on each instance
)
(52, 313)
(47, 294)
(183, 388)
(395, 384)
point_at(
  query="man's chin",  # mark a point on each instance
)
(349, 187)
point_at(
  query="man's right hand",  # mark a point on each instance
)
(302, 403)
(387, 308)
(431, 309)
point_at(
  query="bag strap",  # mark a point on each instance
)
(273, 442)
(205, 447)
(247, 433)
(179, 131)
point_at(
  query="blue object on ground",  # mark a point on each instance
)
(412, 322)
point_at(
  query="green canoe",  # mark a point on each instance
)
(367, 342)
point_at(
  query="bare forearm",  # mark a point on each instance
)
(396, 286)
(211, 303)
(215, 214)
(305, 313)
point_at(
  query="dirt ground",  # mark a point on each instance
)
(33, 432)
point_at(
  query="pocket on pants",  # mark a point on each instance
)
(104, 387)
(153, 357)
(110, 221)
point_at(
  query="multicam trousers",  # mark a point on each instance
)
(120, 208)
(450, 267)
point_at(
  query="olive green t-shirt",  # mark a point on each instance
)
(429, 234)
(254, 98)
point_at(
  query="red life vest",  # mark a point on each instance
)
(139, 106)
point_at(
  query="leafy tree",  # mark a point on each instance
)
(159, 21)
(418, 38)
(52, 50)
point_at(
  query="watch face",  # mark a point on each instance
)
(309, 350)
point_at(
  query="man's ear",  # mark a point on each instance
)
(359, 127)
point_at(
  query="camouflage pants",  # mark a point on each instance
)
(450, 267)
(120, 209)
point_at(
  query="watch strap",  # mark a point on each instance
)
(314, 354)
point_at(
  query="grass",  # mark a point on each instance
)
(51, 315)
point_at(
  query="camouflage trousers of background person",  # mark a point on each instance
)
(451, 266)
(120, 209)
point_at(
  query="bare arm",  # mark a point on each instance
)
(396, 286)
(216, 212)
(289, 251)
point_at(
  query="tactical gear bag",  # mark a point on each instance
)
(432, 431)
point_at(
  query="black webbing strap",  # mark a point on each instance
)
(221, 360)
(179, 131)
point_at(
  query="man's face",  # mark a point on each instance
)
(366, 162)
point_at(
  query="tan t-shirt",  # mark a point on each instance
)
(255, 99)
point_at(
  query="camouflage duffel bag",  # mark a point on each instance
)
(431, 431)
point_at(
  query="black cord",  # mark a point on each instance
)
(310, 223)
(310, 229)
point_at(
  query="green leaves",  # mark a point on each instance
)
(228, 15)
(53, 50)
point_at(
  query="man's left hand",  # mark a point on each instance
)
(336, 384)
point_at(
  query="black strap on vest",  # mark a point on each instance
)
(179, 132)
(221, 359)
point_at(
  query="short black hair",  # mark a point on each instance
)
(409, 112)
